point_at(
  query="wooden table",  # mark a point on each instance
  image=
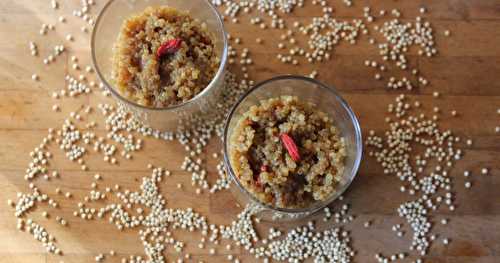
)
(466, 73)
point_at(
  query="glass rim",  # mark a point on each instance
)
(357, 136)
(116, 93)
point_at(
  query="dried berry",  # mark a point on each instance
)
(290, 146)
(169, 47)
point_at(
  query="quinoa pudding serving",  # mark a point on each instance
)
(163, 57)
(287, 153)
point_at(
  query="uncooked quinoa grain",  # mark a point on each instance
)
(322, 34)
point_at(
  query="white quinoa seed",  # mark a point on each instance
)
(241, 229)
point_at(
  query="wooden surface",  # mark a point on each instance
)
(466, 73)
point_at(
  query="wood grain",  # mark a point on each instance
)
(466, 73)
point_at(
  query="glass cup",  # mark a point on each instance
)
(105, 34)
(326, 100)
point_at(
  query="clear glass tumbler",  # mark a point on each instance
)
(105, 34)
(327, 100)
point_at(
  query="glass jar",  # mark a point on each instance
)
(327, 100)
(105, 34)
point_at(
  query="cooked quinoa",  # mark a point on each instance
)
(266, 168)
(147, 79)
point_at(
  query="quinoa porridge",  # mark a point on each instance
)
(163, 57)
(287, 153)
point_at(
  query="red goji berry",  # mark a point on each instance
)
(290, 146)
(169, 47)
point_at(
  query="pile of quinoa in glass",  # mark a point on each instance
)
(163, 57)
(287, 153)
